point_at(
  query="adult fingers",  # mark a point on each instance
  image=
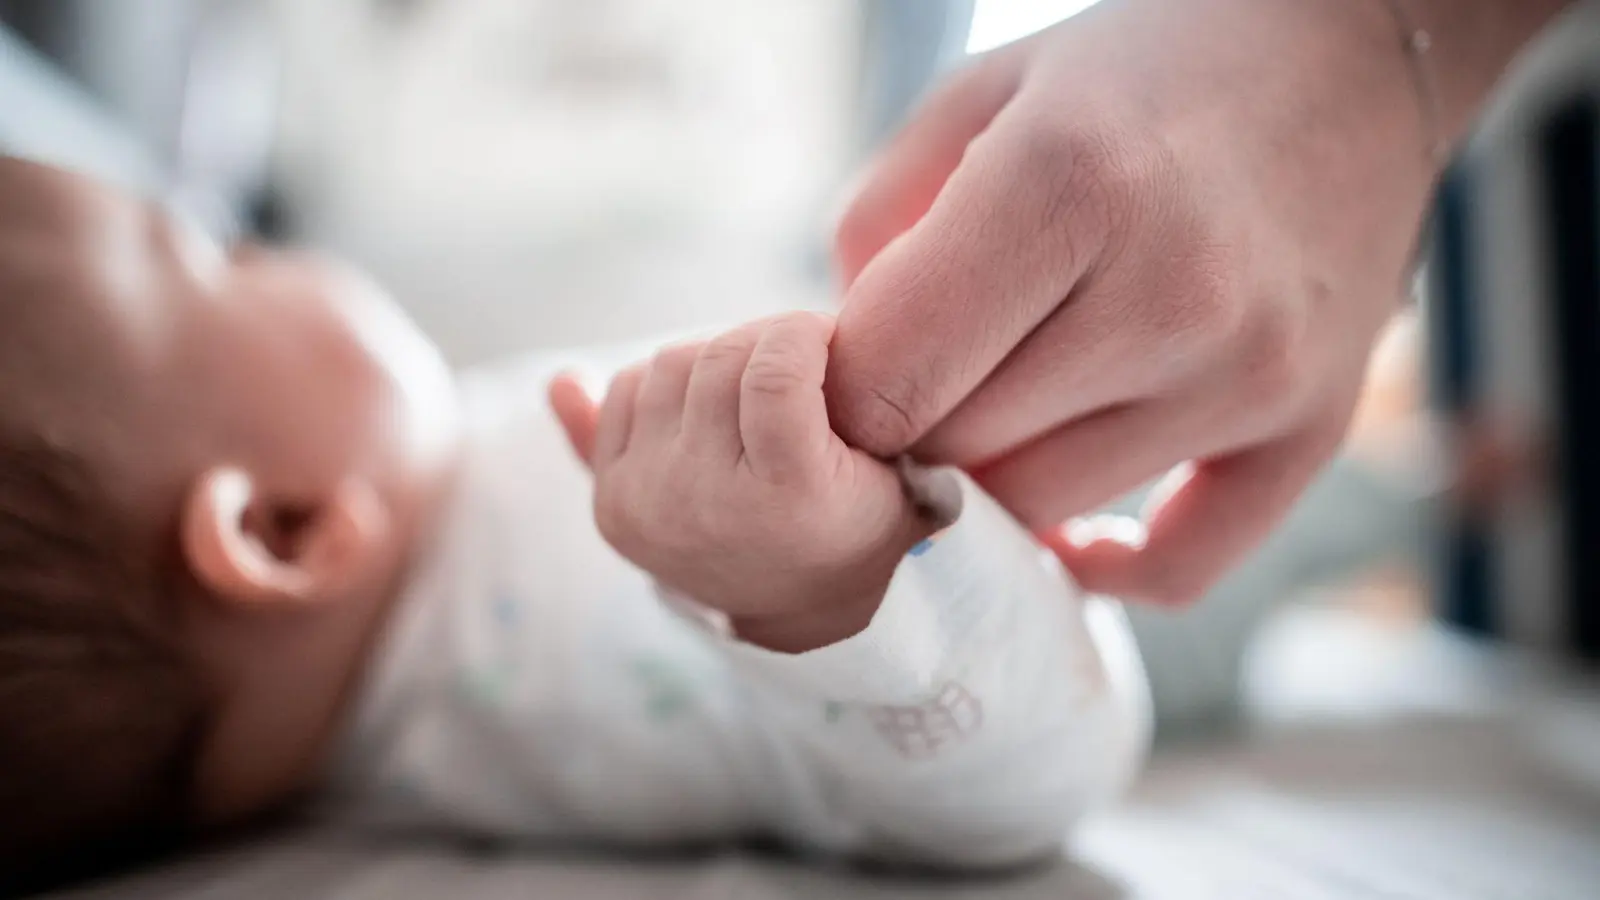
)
(615, 423)
(1085, 464)
(1124, 335)
(783, 420)
(1020, 221)
(1219, 511)
(909, 173)
(659, 412)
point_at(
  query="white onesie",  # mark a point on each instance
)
(534, 685)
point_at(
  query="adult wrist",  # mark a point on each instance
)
(1393, 89)
(1470, 44)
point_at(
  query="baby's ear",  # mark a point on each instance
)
(249, 547)
(578, 413)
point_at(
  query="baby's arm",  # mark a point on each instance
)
(984, 710)
(948, 701)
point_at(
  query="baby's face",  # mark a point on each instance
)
(187, 353)
(273, 416)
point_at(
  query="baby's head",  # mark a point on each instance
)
(213, 467)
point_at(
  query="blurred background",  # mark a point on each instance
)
(528, 174)
(522, 173)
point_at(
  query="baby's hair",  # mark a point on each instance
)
(99, 709)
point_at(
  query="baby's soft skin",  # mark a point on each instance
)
(717, 472)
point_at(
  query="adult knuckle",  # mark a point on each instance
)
(1209, 311)
(1111, 184)
(1050, 143)
(1038, 147)
(1106, 169)
(1273, 357)
(1079, 168)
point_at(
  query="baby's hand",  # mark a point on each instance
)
(716, 471)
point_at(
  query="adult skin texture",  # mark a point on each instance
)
(1159, 237)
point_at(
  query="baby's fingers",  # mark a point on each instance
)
(616, 418)
(658, 413)
(783, 420)
(577, 412)
(711, 411)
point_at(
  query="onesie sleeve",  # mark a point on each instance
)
(985, 709)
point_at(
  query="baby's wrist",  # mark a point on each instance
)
(834, 609)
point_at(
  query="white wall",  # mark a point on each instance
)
(542, 172)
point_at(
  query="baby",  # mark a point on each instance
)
(257, 543)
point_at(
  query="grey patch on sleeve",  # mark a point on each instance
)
(934, 492)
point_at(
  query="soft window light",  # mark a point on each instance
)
(996, 22)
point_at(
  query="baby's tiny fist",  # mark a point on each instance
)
(717, 473)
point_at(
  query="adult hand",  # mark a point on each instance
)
(1163, 232)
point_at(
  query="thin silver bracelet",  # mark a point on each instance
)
(1416, 42)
